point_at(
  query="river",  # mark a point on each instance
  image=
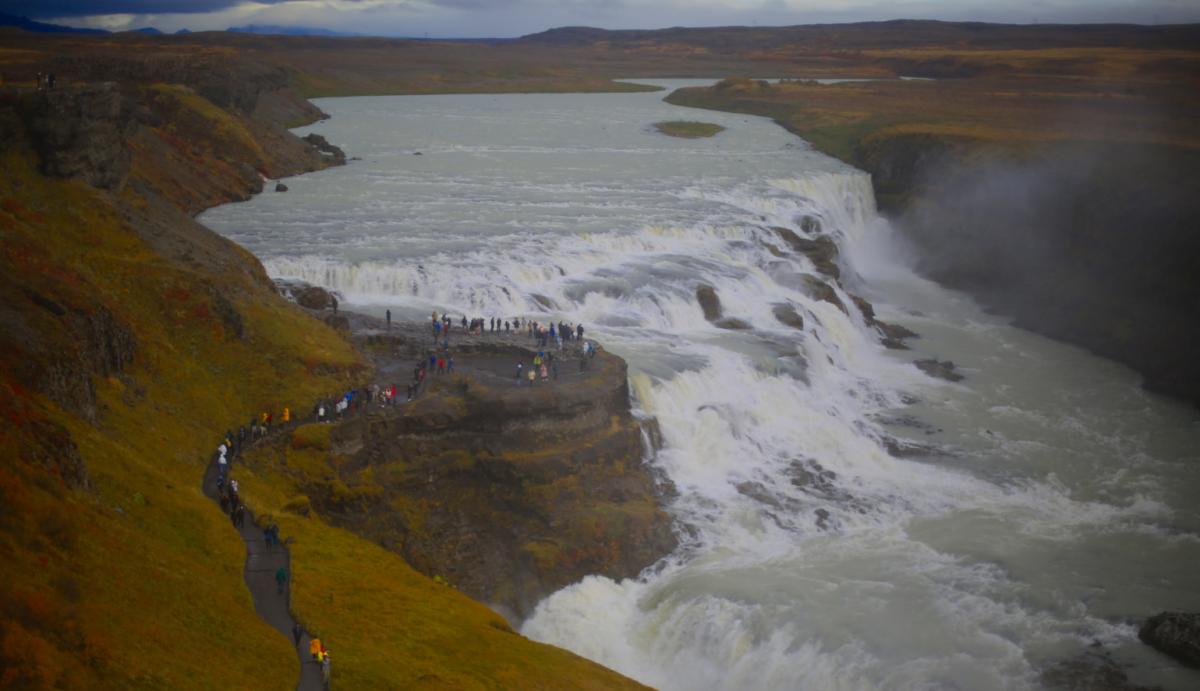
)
(1053, 504)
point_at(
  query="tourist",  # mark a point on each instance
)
(389, 320)
(450, 363)
(297, 633)
(545, 373)
(287, 415)
(532, 376)
(579, 332)
(281, 578)
(519, 367)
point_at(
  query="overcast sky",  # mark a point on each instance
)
(504, 18)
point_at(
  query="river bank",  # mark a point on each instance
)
(1067, 209)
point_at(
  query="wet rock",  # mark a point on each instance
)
(1175, 633)
(822, 251)
(941, 370)
(706, 295)
(329, 152)
(788, 316)
(280, 187)
(902, 448)
(314, 298)
(544, 302)
(733, 324)
(814, 478)
(820, 290)
(759, 493)
(866, 308)
(894, 335)
(810, 225)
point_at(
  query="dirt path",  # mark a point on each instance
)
(261, 564)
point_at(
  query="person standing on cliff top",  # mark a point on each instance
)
(389, 320)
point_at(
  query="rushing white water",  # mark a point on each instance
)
(1056, 504)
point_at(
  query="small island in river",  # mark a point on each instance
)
(688, 129)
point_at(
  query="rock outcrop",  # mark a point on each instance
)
(710, 304)
(314, 298)
(508, 492)
(939, 369)
(80, 131)
(788, 316)
(333, 155)
(822, 251)
(1175, 633)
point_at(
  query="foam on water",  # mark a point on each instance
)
(810, 557)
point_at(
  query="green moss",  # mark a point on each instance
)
(687, 129)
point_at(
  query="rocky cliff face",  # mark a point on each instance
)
(80, 132)
(1091, 243)
(506, 492)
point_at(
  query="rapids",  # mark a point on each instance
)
(1052, 503)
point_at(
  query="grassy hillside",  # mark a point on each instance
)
(132, 339)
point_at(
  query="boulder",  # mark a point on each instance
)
(787, 315)
(942, 370)
(822, 251)
(732, 323)
(706, 295)
(820, 290)
(280, 187)
(328, 151)
(866, 308)
(894, 335)
(1175, 633)
(314, 298)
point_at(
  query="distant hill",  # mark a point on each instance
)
(278, 30)
(897, 33)
(42, 27)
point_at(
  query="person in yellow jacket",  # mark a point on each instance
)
(287, 415)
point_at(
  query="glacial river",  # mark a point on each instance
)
(1055, 504)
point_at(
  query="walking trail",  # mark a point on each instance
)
(261, 564)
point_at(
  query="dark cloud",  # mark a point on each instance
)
(81, 8)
